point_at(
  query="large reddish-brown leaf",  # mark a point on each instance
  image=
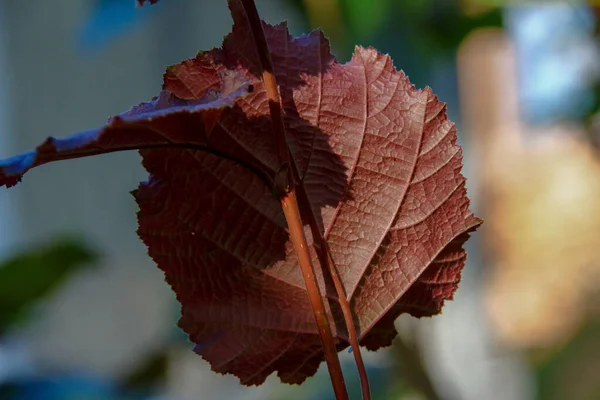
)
(378, 164)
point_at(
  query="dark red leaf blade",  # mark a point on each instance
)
(378, 164)
(326, 123)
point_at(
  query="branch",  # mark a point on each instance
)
(289, 202)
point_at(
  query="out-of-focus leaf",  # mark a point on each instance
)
(365, 16)
(31, 275)
(150, 373)
(411, 369)
(440, 25)
(327, 15)
(572, 371)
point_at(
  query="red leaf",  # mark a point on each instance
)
(378, 163)
(166, 121)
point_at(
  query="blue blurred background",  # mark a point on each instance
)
(84, 312)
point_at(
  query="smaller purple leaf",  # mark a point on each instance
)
(140, 3)
(165, 121)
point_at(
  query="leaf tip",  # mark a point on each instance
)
(140, 3)
(13, 168)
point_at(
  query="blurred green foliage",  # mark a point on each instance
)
(419, 34)
(364, 17)
(148, 374)
(571, 371)
(434, 27)
(34, 273)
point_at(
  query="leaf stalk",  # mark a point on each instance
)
(327, 263)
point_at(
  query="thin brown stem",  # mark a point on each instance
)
(285, 187)
(292, 215)
(269, 80)
(327, 262)
(347, 311)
